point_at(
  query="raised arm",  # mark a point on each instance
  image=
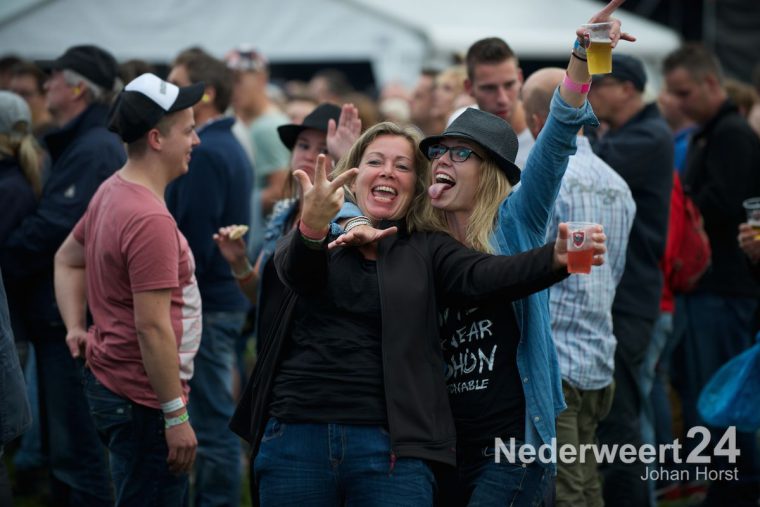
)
(533, 200)
(341, 136)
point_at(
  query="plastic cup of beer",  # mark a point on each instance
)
(580, 247)
(599, 53)
(753, 214)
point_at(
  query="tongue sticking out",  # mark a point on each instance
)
(436, 189)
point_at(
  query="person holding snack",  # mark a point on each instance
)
(328, 129)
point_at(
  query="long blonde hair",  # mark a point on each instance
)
(27, 151)
(493, 188)
(420, 215)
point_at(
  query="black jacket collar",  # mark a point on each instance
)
(727, 108)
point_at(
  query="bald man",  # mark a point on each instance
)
(591, 191)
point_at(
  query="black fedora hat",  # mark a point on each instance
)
(317, 120)
(489, 131)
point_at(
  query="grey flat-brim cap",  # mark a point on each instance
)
(489, 131)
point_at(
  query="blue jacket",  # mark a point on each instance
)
(522, 222)
(215, 192)
(83, 154)
(15, 416)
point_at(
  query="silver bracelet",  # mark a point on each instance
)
(356, 222)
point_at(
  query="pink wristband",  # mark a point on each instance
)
(575, 87)
(310, 233)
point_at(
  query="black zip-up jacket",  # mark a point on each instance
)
(722, 170)
(641, 152)
(414, 272)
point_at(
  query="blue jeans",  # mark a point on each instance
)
(661, 335)
(78, 460)
(217, 463)
(488, 483)
(134, 435)
(335, 464)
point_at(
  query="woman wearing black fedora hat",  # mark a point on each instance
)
(502, 369)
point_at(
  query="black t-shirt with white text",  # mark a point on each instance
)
(480, 350)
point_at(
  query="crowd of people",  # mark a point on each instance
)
(402, 265)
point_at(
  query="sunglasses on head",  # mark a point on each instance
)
(457, 153)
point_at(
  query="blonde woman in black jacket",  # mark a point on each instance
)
(348, 403)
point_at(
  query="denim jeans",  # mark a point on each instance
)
(134, 435)
(661, 335)
(78, 460)
(336, 464)
(491, 484)
(217, 463)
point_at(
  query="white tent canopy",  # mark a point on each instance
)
(397, 37)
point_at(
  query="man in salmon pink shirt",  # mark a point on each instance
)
(127, 262)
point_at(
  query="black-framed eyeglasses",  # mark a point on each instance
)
(457, 153)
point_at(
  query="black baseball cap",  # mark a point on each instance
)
(317, 120)
(147, 99)
(489, 131)
(92, 62)
(626, 68)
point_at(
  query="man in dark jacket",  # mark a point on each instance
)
(83, 154)
(722, 170)
(638, 146)
(214, 193)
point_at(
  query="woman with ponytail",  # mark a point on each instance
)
(20, 180)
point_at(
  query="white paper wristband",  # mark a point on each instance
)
(171, 406)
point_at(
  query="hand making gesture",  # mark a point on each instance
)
(322, 199)
(600, 17)
(342, 136)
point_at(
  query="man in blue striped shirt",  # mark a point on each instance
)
(581, 305)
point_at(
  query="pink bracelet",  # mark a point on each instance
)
(575, 87)
(310, 233)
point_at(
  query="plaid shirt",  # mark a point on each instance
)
(581, 305)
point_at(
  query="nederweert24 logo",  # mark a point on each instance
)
(514, 452)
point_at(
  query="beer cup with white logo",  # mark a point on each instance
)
(580, 247)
